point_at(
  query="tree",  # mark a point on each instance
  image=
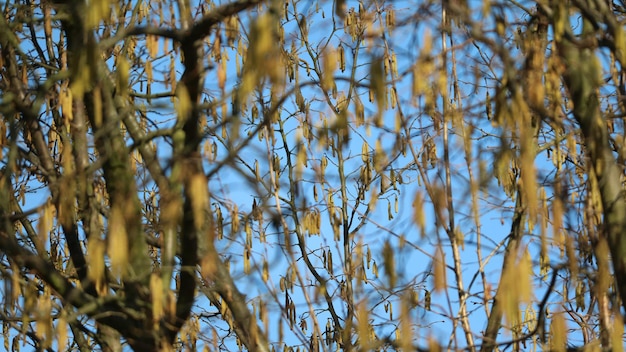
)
(313, 175)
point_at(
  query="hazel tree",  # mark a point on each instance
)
(312, 175)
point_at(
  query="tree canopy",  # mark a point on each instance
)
(312, 175)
